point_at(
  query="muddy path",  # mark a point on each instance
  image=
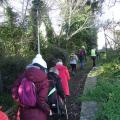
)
(76, 89)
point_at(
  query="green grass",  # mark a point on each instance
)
(107, 90)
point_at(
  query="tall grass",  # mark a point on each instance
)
(107, 90)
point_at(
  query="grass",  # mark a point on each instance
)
(107, 90)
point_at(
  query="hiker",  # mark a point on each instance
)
(73, 63)
(53, 75)
(64, 75)
(35, 72)
(82, 57)
(85, 53)
(93, 56)
(97, 55)
(3, 115)
(56, 93)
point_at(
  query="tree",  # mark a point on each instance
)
(77, 18)
(112, 34)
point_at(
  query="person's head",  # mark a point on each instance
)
(83, 47)
(54, 70)
(72, 54)
(59, 61)
(39, 60)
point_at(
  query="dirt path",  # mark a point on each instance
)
(76, 89)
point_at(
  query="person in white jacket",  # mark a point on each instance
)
(73, 62)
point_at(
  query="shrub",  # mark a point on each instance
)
(53, 53)
(107, 90)
(6, 101)
(10, 68)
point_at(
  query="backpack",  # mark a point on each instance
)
(52, 94)
(54, 99)
(27, 93)
(81, 53)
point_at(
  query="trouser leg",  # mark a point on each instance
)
(94, 61)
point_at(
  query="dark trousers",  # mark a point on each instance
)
(73, 66)
(94, 60)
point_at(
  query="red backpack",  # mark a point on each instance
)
(27, 93)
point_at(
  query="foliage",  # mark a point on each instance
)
(107, 91)
(79, 28)
(53, 53)
(11, 16)
(10, 68)
(6, 101)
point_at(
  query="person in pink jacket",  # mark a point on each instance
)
(36, 72)
(64, 75)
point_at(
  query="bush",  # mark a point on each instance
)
(107, 91)
(6, 101)
(10, 68)
(53, 53)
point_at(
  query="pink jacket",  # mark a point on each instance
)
(41, 110)
(64, 75)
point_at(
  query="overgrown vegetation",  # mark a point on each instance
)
(107, 90)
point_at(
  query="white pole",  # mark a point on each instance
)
(38, 32)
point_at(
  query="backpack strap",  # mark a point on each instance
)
(52, 91)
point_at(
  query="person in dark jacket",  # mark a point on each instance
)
(56, 95)
(82, 57)
(53, 76)
(35, 72)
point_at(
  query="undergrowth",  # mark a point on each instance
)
(107, 90)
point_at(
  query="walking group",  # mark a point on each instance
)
(41, 93)
(81, 58)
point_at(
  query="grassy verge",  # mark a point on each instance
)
(107, 90)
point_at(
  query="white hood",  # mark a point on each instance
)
(39, 60)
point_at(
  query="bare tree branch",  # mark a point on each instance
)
(112, 39)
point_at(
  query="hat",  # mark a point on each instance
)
(83, 47)
(39, 60)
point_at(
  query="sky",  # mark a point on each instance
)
(17, 6)
(55, 18)
(110, 12)
(1, 15)
(54, 13)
